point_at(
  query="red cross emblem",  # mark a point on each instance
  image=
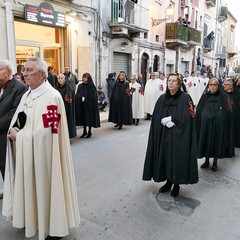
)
(191, 109)
(51, 118)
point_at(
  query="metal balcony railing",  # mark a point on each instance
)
(130, 13)
(180, 32)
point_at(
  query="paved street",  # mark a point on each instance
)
(116, 204)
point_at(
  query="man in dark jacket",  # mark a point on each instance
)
(11, 92)
(52, 78)
(70, 78)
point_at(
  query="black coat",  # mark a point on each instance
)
(68, 99)
(120, 111)
(8, 104)
(87, 113)
(235, 102)
(215, 126)
(52, 79)
(172, 152)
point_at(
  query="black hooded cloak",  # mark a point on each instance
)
(68, 99)
(120, 111)
(172, 152)
(87, 113)
(215, 126)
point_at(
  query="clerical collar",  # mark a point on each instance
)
(40, 90)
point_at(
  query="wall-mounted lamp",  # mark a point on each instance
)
(71, 13)
(169, 13)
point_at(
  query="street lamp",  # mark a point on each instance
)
(169, 13)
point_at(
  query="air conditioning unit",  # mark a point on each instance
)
(185, 3)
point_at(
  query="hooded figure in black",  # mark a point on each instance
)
(230, 88)
(87, 113)
(67, 94)
(172, 146)
(214, 125)
(120, 111)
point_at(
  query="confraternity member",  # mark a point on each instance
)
(172, 148)
(214, 125)
(39, 189)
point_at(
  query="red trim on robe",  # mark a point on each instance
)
(191, 109)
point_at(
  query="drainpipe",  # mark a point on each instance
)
(10, 35)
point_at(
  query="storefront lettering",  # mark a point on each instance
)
(44, 14)
(47, 11)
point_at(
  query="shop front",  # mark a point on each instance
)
(38, 41)
(40, 34)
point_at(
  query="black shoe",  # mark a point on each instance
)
(175, 190)
(83, 135)
(89, 135)
(52, 238)
(205, 164)
(116, 125)
(136, 123)
(120, 127)
(214, 166)
(147, 118)
(166, 187)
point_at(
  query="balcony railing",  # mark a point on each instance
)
(178, 32)
(211, 3)
(130, 13)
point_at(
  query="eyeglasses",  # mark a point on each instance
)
(27, 70)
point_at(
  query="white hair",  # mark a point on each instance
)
(7, 65)
(41, 64)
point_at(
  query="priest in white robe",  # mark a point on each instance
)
(39, 189)
(152, 92)
(137, 99)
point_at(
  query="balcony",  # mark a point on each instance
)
(223, 14)
(178, 35)
(210, 3)
(128, 19)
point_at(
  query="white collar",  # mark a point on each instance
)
(40, 90)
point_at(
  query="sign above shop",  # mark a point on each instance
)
(44, 14)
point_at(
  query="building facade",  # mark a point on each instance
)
(136, 36)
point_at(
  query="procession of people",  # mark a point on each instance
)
(192, 117)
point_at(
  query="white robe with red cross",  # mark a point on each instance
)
(39, 189)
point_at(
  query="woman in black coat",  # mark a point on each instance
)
(214, 125)
(172, 144)
(86, 110)
(234, 95)
(68, 98)
(120, 111)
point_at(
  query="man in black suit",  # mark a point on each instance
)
(11, 92)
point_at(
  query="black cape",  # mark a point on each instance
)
(172, 152)
(215, 126)
(120, 111)
(68, 99)
(235, 102)
(87, 113)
